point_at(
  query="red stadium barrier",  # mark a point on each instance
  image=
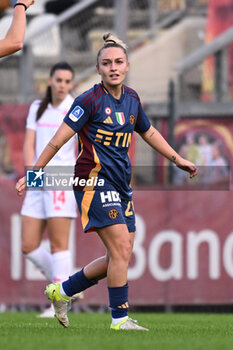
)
(183, 251)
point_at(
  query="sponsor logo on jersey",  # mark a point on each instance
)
(76, 113)
(103, 136)
(110, 196)
(108, 120)
(108, 110)
(131, 119)
(113, 213)
(35, 178)
(120, 118)
(121, 139)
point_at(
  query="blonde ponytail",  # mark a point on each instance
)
(111, 40)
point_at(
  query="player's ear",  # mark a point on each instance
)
(49, 81)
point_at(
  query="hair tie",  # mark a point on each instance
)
(21, 4)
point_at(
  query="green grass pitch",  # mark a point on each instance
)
(23, 331)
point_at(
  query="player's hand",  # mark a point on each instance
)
(21, 185)
(188, 166)
(26, 2)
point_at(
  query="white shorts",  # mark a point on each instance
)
(47, 204)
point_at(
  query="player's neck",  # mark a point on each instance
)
(56, 102)
(115, 91)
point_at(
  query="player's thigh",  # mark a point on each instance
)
(33, 205)
(58, 231)
(131, 240)
(32, 232)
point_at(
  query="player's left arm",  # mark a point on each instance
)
(156, 141)
(63, 134)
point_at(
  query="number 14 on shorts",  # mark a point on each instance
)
(59, 199)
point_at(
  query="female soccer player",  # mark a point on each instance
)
(54, 209)
(105, 118)
(13, 40)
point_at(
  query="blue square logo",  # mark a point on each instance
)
(35, 178)
(76, 114)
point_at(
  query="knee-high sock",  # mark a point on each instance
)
(61, 262)
(77, 283)
(118, 300)
(42, 259)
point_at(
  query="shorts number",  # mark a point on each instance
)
(129, 208)
(59, 197)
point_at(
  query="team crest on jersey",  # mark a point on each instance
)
(131, 119)
(76, 113)
(120, 118)
(108, 110)
(113, 213)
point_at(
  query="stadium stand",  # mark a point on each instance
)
(49, 42)
(37, 8)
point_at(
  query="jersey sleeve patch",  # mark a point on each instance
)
(76, 113)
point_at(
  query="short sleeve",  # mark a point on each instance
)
(142, 123)
(77, 116)
(31, 118)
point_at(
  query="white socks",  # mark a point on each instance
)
(56, 267)
(42, 259)
(61, 265)
(117, 320)
(62, 292)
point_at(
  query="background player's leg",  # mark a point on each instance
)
(58, 230)
(32, 232)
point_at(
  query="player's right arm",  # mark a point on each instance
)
(63, 134)
(13, 40)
